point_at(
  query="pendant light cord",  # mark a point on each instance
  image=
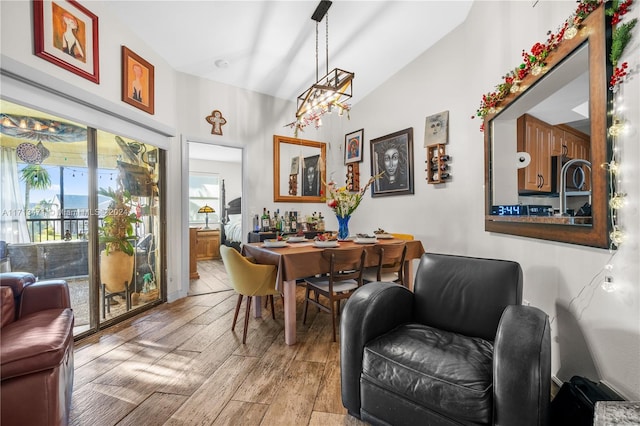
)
(327, 46)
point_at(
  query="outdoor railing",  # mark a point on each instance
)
(58, 229)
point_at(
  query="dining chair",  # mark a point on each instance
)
(390, 267)
(345, 276)
(248, 279)
(406, 237)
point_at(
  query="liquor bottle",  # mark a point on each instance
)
(444, 176)
(444, 167)
(287, 222)
(276, 220)
(256, 223)
(294, 222)
(265, 220)
(445, 158)
(320, 225)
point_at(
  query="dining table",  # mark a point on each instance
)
(304, 259)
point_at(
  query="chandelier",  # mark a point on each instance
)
(328, 92)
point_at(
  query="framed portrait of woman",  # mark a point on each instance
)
(66, 34)
(137, 81)
(392, 159)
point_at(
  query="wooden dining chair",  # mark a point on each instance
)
(345, 276)
(390, 266)
(248, 279)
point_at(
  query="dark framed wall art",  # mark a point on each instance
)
(353, 143)
(392, 159)
(137, 81)
(65, 33)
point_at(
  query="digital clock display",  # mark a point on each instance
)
(509, 210)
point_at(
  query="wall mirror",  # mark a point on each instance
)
(545, 146)
(298, 170)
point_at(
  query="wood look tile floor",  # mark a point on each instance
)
(180, 364)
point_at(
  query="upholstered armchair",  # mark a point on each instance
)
(460, 350)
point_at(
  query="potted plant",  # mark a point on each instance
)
(116, 233)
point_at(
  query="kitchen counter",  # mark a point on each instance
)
(558, 220)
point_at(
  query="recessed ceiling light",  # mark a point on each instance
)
(222, 63)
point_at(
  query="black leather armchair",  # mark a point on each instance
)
(460, 350)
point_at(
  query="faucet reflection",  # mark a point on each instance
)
(563, 184)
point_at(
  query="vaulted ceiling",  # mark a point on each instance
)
(270, 46)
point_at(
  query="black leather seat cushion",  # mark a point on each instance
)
(440, 370)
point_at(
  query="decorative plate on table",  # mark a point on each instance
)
(384, 236)
(275, 243)
(326, 244)
(296, 239)
(365, 240)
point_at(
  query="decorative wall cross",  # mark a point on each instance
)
(217, 121)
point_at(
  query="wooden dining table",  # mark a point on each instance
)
(304, 259)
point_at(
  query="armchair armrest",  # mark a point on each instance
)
(17, 281)
(371, 311)
(42, 295)
(522, 367)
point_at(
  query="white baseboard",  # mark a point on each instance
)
(557, 381)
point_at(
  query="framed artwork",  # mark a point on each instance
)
(295, 165)
(66, 34)
(137, 81)
(311, 176)
(436, 129)
(392, 158)
(353, 146)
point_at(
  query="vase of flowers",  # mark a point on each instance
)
(344, 202)
(343, 227)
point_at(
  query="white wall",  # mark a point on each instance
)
(594, 333)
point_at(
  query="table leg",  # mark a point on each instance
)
(290, 312)
(257, 306)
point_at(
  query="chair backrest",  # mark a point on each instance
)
(390, 259)
(407, 237)
(345, 264)
(248, 278)
(465, 295)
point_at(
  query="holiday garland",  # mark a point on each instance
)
(534, 61)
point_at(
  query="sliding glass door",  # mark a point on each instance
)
(72, 193)
(129, 205)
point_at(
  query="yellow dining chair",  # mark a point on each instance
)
(248, 279)
(390, 266)
(406, 237)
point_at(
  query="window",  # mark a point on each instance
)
(204, 189)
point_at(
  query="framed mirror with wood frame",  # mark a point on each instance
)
(299, 168)
(512, 192)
